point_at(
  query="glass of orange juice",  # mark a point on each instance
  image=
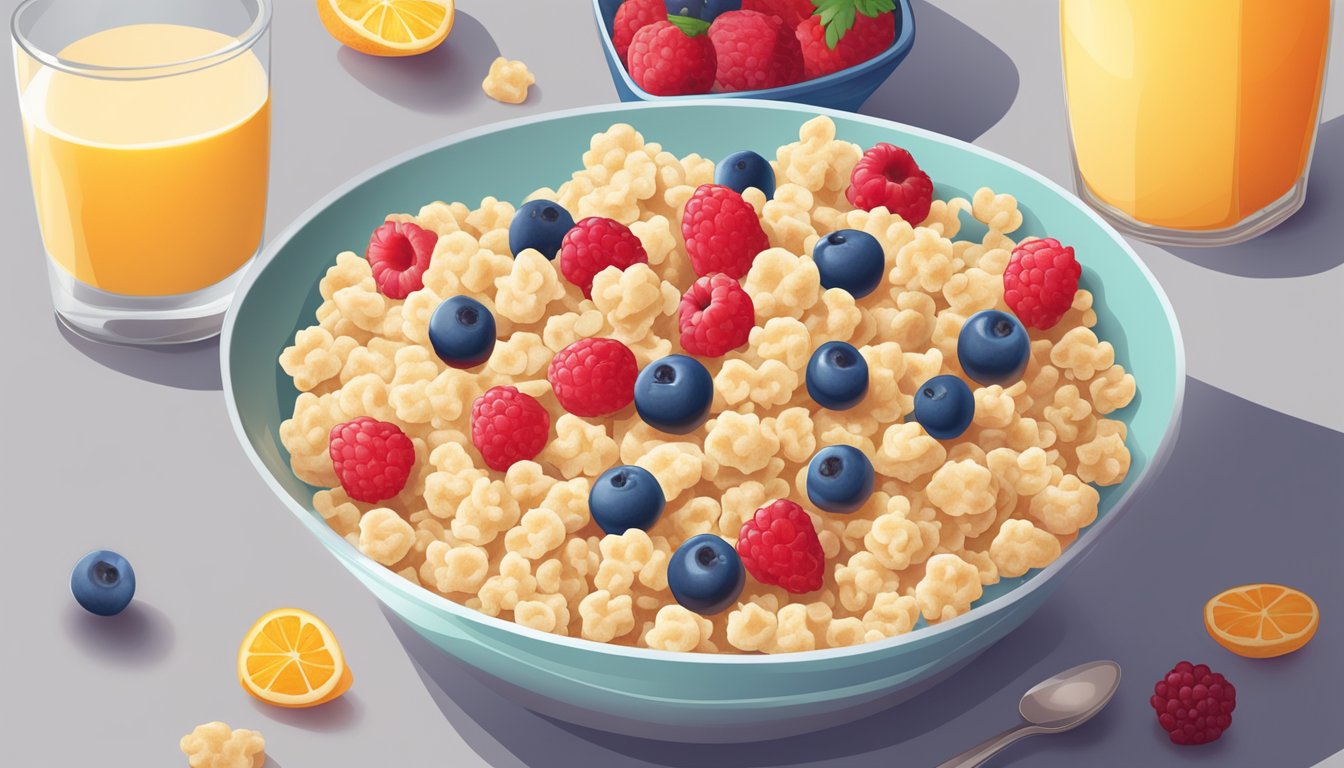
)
(1193, 121)
(148, 132)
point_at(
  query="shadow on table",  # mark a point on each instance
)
(139, 636)
(437, 82)
(955, 81)
(184, 366)
(1307, 243)
(339, 714)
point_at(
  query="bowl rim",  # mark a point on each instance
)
(898, 49)
(417, 593)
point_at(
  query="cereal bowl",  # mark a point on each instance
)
(661, 694)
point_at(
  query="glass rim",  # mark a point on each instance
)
(261, 22)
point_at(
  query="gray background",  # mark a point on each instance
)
(131, 450)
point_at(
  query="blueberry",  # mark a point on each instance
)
(944, 406)
(708, 10)
(837, 376)
(626, 497)
(741, 170)
(673, 394)
(839, 478)
(103, 583)
(462, 332)
(714, 8)
(851, 260)
(705, 574)
(541, 225)
(993, 348)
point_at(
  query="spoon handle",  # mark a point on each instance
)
(981, 752)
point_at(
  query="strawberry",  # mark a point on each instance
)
(844, 33)
(665, 60)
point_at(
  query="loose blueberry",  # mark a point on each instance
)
(705, 574)
(103, 583)
(851, 260)
(944, 406)
(837, 376)
(673, 394)
(462, 332)
(993, 348)
(741, 170)
(839, 478)
(626, 497)
(541, 225)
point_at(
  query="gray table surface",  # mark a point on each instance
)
(130, 449)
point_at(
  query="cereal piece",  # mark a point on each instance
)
(676, 466)
(315, 357)
(337, 509)
(732, 384)
(378, 357)
(792, 632)
(794, 427)
(531, 285)
(994, 406)
(786, 218)
(633, 299)
(698, 515)
(785, 339)
(1112, 390)
(740, 502)
(216, 745)
(544, 613)
(752, 628)
(486, 512)
(605, 617)
(537, 533)
(948, 588)
(1071, 415)
(569, 500)
(508, 81)
(845, 632)
(521, 356)
(962, 488)
(416, 369)
(385, 536)
(894, 539)
(835, 318)
(886, 365)
(892, 614)
(998, 212)
(926, 263)
(860, 579)
(973, 291)
(782, 284)
(1104, 459)
(1027, 473)
(580, 448)
(1080, 355)
(1021, 546)
(741, 441)
(513, 584)
(563, 330)
(677, 629)
(908, 452)
(528, 483)
(1065, 506)
(305, 435)
(455, 569)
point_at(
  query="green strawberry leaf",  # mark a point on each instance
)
(837, 16)
(690, 25)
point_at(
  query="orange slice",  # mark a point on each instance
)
(387, 27)
(291, 659)
(1261, 620)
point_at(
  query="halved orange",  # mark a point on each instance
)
(1261, 620)
(290, 658)
(387, 27)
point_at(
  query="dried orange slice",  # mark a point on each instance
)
(1261, 620)
(387, 27)
(291, 659)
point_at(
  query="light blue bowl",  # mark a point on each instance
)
(654, 693)
(846, 89)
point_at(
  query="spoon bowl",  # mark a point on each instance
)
(1071, 697)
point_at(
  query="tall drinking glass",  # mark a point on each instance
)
(148, 133)
(1193, 121)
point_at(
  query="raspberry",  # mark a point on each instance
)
(778, 545)
(755, 51)
(1040, 282)
(399, 254)
(508, 426)
(372, 458)
(632, 16)
(888, 176)
(791, 12)
(722, 232)
(593, 377)
(595, 244)
(1193, 704)
(716, 315)
(665, 61)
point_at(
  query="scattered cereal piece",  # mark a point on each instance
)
(215, 745)
(508, 81)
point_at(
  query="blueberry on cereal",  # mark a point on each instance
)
(462, 332)
(539, 225)
(705, 574)
(741, 170)
(993, 348)
(944, 407)
(673, 394)
(851, 260)
(837, 376)
(103, 583)
(626, 497)
(839, 478)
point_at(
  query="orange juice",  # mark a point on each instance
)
(1193, 114)
(150, 186)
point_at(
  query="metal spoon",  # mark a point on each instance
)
(1058, 704)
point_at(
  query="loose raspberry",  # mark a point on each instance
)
(754, 51)
(632, 16)
(722, 232)
(508, 426)
(1193, 704)
(399, 254)
(595, 244)
(791, 12)
(888, 176)
(778, 545)
(1040, 282)
(372, 458)
(665, 61)
(716, 315)
(593, 377)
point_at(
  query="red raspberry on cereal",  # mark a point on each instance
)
(715, 316)
(722, 232)
(665, 61)
(888, 176)
(372, 458)
(779, 545)
(508, 426)
(1040, 282)
(593, 377)
(398, 255)
(791, 12)
(755, 51)
(632, 16)
(595, 244)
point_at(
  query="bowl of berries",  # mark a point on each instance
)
(722, 435)
(827, 53)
